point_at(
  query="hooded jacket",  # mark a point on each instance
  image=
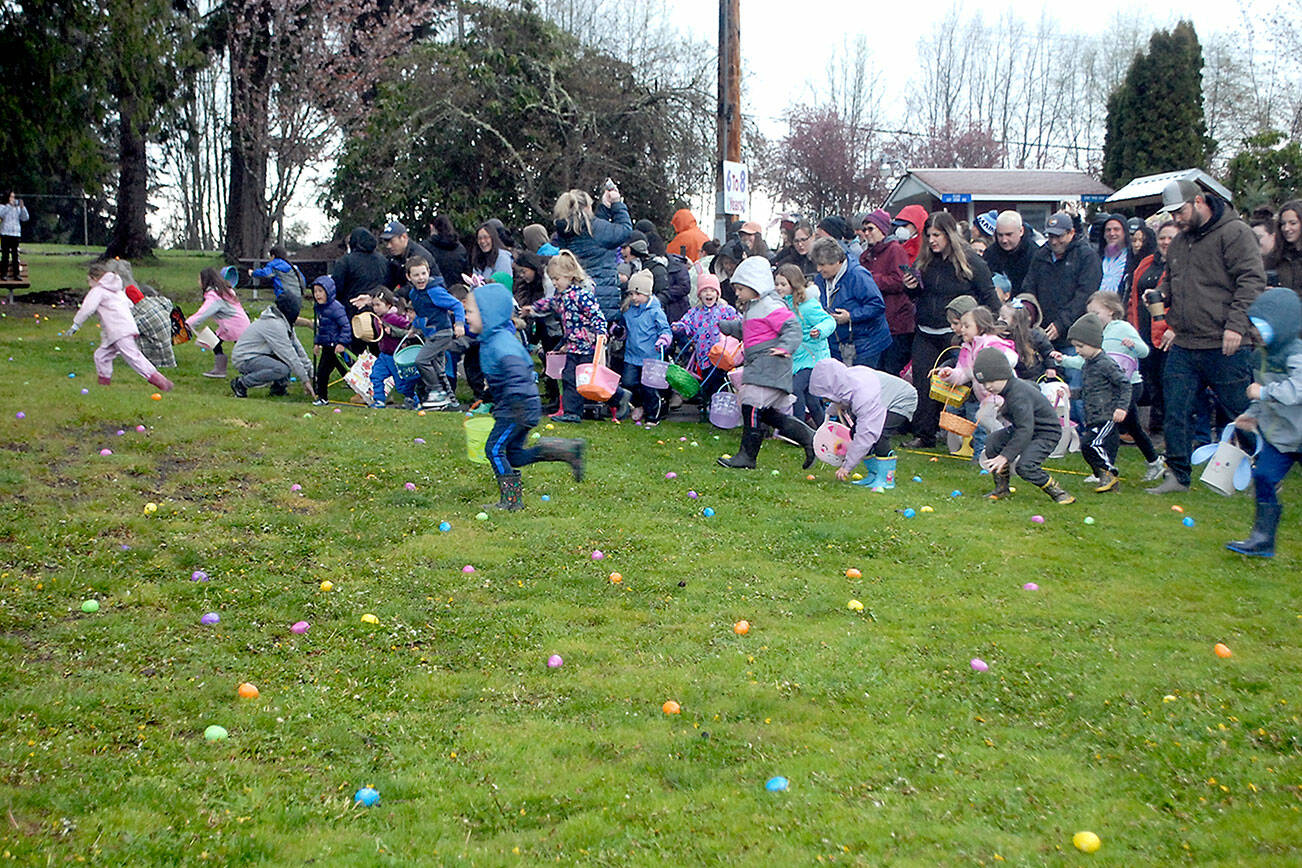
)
(1063, 286)
(883, 261)
(689, 239)
(767, 324)
(582, 319)
(645, 323)
(230, 316)
(332, 325)
(1279, 370)
(271, 334)
(361, 270)
(450, 255)
(109, 300)
(812, 317)
(506, 365)
(1133, 260)
(284, 276)
(854, 290)
(1014, 263)
(915, 215)
(859, 392)
(437, 309)
(596, 250)
(1288, 266)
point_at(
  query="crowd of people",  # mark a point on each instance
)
(912, 325)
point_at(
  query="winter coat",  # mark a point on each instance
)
(283, 275)
(1279, 371)
(962, 371)
(271, 335)
(1134, 260)
(701, 325)
(109, 300)
(11, 220)
(883, 261)
(812, 317)
(898, 395)
(230, 316)
(450, 255)
(854, 290)
(859, 393)
(1104, 389)
(768, 324)
(1012, 264)
(1031, 416)
(507, 366)
(596, 251)
(644, 324)
(1063, 286)
(361, 270)
(332, 325)
(1213, 275)
(396, 326)
(153, 316)
(436, 309)
(582, 319)
(397, 274)
(502, 263)
(1148, 275)
(940, 284)
(688, 241)
(678, 292)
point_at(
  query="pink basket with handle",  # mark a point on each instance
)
(554, 365)
(831, 442)
(596, 382)
(1126, 362)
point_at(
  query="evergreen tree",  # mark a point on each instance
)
(1155, 117)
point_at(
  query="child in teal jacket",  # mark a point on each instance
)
(816, 325)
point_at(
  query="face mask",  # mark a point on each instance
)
(1263, 328)
(904, 233)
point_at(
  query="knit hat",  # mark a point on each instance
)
(880, 218)
(1087, 330)
(834, 225)
(639, 247)
(505, 278)
(641, 282)
(986, 222)
(991, 364)
(707, 281)
(134, 294)
(961, 304)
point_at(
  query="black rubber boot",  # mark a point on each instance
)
(793, 429)
(564, 449)
(1261, 542)
(1003, 490)
(1056, 492)
(752, 438)
(510, 489)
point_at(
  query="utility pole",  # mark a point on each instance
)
(729, 118)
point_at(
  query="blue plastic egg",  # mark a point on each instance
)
(777, 784)
(1187, 521)
(909, 513)
(444, 526)
(367, 796)
(707, 512)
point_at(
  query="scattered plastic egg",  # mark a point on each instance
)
(555, 662)
(368, 618)
(598, 555)
(1187, 521)
(1177, 508)
(215, 733)
(151, 508)
(546, 498)
(1086, 842)
(1089, 519)
(106, 452)
(1223, 651)
(926, 509)
(247, 691)
(85, 391)
(140, 429)
(671, 475)
(444, 527)
(616, 578)
(327, 586)
(156, 397)
(917, 479)
(300, 627)
(853, 573)
(1037, 519)
(854, 606)
(979, 665)
(467, 569)
(671, 707)
(482, 516)
(419, 441)
(90, 607)
(366, 797)
(20, 415)
(777, 784)
(956, 493)
(741, 628)
(410, 486)
(693, 495)
(908, 513)
(1030, 586)
(708, 512)
(296, 487)
(210, 618)
(198, 576)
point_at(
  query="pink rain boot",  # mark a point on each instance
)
(160, 382)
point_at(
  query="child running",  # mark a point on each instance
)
(1106, 393)
(385, 305)
(333, 335)
(815, 325)
(117, 328)
(222, 304)
(1030, 436)
(443, 320)
(648, 335)
(509, 371)
(1275, 412)
(770, 335)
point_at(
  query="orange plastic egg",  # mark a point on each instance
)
(671, 707)
(742, 627)
(1222, 650)
(248, 691)
(853, 573)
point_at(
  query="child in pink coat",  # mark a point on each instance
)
(221, 304)
(117, 328)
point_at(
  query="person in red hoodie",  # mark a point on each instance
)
(885, 259)
(689, 239)
(908, 229)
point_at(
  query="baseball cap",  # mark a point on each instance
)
(1134, 224)
(393, 230)
(1177, 193)
(1059, 224)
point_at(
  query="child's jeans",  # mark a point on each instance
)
(384, 368)
(1098, 446)
(505, 447)
(1032, 457)
(806, 401)
(1270, 469)
(128, 349)
(643, 396)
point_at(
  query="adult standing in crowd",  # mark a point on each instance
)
(946, 269)
(909, 230)
(847, 291)
(1113, 251)
(1011, 253)
(593, 235)
(797, 252)
(1213, 274)
(1062, 276)
(886, 261)
(688, 241)
(401, 247)
(489, 255)
(359, 271)
(751, 236)
(12, 215)
(1288, 244)
(448, 251)
(1148, 274)
(538, 242)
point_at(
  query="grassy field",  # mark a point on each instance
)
(1104, 707)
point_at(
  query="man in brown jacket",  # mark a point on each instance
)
(1213, 273)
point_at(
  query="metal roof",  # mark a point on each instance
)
(1148, 189)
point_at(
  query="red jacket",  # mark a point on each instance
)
(883, 261)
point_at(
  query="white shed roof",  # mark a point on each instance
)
(1148, 189)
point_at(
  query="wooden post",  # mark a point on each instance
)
(729, 111)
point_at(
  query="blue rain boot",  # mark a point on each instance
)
(886, 470)
(870, 473)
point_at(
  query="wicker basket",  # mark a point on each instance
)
(943, 390)
(956, 424)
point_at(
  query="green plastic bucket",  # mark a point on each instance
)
(405, 361)
(477, 428)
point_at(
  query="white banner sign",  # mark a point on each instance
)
(736, 188)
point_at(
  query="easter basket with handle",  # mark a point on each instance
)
(595, 381)
(943, 390)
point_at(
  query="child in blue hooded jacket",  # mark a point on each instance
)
(509, 371)
(648, 335)
(283, 274)
(333, 335)
(1275, 412)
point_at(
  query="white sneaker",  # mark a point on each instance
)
(435, 401)
(1091, 479)
(1155, 470)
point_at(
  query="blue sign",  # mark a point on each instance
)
(1094, 197)
(958, 198)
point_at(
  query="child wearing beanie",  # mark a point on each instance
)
(1105, 391)
(1031, 433)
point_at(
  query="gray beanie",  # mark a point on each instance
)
(991, 364)
(1088, 330)
(961, 304)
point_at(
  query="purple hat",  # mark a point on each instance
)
(881, 219)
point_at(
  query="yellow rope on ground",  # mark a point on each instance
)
(968, 460)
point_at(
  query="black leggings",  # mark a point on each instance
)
(327, 364)
(9, 256)
(1132, 427)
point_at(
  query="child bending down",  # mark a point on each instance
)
(509, 371)
(1275, 412)
(1031, 434)
(857, 394)
(118, 328)
(770, 334)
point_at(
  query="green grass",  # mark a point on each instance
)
(897, 752)
(174, 273)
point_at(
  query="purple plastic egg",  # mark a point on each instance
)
(210, 619)
(300, 627)
(555, 662)
(979, 665)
